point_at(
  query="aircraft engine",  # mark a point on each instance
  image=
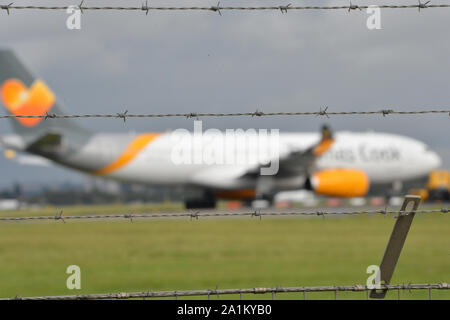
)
(339, 183)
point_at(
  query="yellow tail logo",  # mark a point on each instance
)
(19, 100)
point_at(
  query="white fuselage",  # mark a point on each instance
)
(383, 157)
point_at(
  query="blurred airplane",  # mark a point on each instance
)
(343, 164)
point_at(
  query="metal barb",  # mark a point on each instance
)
(353, 7)
(359, 287)
(386, 112)
(422, 5)
(194, 215)
(6, 7)
(145, 7)
(323, 112)
(60, 217)
(122, 115)
(284, 9)
(80, 6)
(274, 292)
(321, 213)
(49, 116)
(257, 113)
(407, 287)
(123, 295)
(385, 210)
(216, 8)
(192, 115)
(257, 214)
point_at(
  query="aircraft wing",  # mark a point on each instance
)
(291, 163)
(48, 141)
(299, 162)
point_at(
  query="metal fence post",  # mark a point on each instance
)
(395, 244)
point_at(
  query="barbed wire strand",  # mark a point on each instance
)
(217, 292)
(217, 8)
(322, 112)
(198, 214)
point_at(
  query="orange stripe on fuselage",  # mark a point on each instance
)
(133, 149)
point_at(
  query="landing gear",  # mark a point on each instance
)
(439, 194)
(200, 203)
(206, 200)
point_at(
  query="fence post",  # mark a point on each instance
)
(395, 244)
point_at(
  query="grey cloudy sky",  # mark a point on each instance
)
(242, 61)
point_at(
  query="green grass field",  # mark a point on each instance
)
(177, 254)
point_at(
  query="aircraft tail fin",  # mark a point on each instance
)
(23, 94)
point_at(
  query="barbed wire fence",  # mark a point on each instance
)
(283, 8)
(256, 291)
(321, 112)
(304, 290)
(197, 215)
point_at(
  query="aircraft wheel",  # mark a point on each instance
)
(200, 204)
